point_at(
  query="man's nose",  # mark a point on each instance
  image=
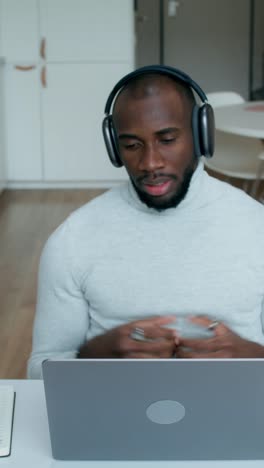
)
(151, 159)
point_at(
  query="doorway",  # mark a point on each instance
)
(208, 39)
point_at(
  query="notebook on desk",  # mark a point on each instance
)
(155, 409)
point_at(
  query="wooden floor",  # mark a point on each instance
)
(27, 218)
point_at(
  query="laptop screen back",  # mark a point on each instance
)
(155, 409)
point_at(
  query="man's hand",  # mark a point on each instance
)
(224, 344)
(118, 342)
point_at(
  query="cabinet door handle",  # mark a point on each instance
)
(43, 48)
(25, 67)
(43, 77)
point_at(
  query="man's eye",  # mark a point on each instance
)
(167, 141)
(130, 146)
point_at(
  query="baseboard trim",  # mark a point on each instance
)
(95, 184)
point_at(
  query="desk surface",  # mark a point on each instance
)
(31, 444)
(245, 119)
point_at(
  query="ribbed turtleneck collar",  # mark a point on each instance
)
(192, 197)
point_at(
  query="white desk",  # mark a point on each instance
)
(31, 444)
(245, 119)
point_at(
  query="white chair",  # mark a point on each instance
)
(224, 98)
(236, 156)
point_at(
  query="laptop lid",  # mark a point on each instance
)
(155, 409)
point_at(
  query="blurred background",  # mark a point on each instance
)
(59, 59)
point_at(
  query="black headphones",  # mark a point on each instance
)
(202, 115)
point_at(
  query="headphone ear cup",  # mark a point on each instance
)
(110, 140)
(203, 128)
(207, 130)
(196, 132)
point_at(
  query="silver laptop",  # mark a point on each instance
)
(155, 409)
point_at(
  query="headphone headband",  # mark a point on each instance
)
(202, 115)
(159, 69)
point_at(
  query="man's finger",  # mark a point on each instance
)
(218, 327)
(184, 354)
(155, 347)
(152, 328)
(206, 344)
(156, 321)
(157, 332)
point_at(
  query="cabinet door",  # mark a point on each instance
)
(88, 30)
(73, 109)
(21, 47)
(87, 50)
(20, 31)
(23, 123)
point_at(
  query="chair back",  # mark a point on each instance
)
(224, 98)
(235, 155)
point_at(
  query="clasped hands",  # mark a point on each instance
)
(160, 341)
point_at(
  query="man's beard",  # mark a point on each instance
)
(175, 199)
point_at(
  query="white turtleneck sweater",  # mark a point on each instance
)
(115, 260)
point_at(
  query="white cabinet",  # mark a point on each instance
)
(87, 30)
(72, 111)
(21, 46)
(23, 124)
(20, 30)
(61, 66)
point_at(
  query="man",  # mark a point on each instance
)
(171, 242)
